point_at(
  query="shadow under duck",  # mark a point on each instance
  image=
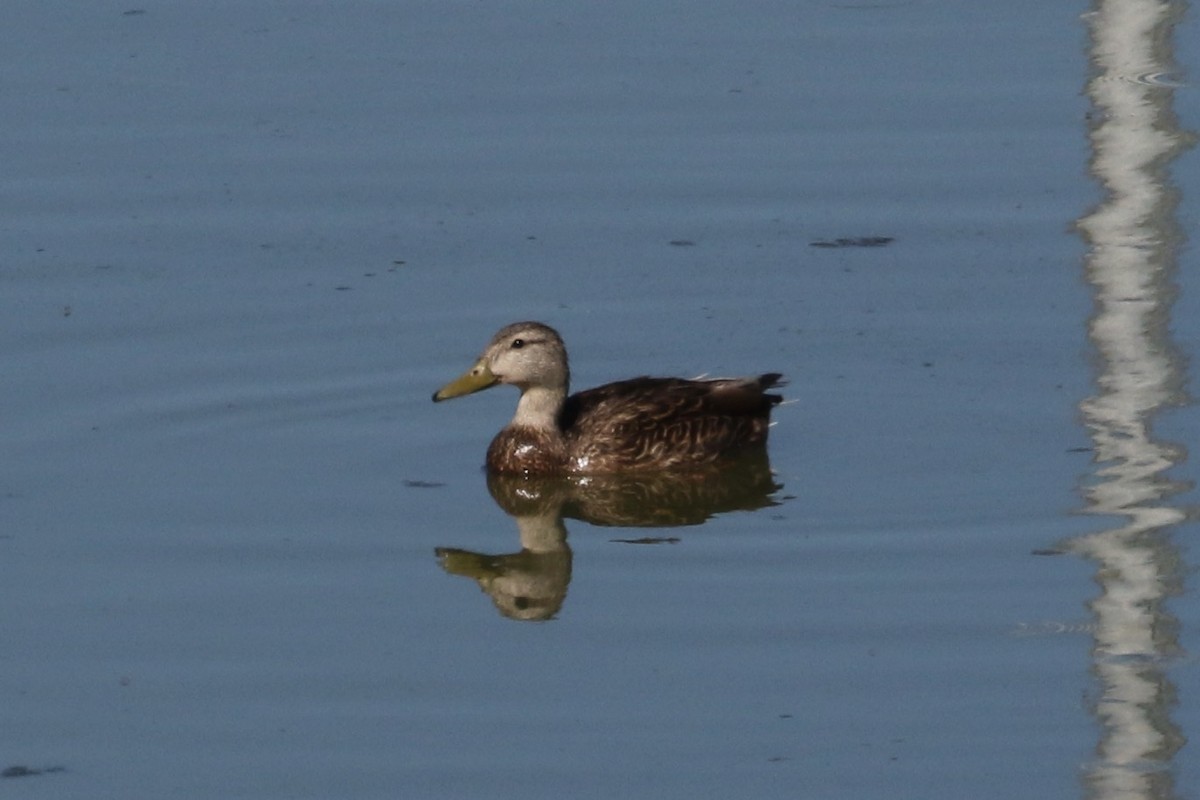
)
(637, 424)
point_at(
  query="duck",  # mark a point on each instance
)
(631, 425)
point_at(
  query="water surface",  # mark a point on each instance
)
(243, 243)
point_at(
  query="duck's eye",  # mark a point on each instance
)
(518, 344)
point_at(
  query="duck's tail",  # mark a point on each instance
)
(772, 380)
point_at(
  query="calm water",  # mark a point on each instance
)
(242, 554)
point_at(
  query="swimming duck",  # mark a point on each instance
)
(637, 424)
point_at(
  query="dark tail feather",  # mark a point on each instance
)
(772, 380)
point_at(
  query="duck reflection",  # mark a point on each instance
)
(531, 584)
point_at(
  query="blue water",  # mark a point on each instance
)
(243, 242)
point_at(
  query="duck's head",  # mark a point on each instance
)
(525, 354)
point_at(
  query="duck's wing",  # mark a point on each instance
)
(663, 422)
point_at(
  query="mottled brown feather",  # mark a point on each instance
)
(644, 423)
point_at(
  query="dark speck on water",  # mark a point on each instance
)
(19, 771)
(423, 484)
(649, 540)
(854, 241)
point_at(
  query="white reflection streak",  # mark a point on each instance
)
(1132, 237)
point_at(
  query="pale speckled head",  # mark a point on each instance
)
(525, 354)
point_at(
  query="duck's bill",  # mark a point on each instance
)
(465, 563)
(476, 379)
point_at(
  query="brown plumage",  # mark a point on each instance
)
(642, 423)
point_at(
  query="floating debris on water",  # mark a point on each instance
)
(854, 241)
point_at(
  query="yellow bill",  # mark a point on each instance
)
(477, 378)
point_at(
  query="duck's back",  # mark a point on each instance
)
(658, 423)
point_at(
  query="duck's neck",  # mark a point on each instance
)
(539, 407)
